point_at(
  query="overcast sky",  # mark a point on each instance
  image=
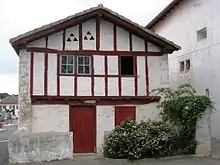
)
(19, 16)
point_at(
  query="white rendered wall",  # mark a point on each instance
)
(66, 85)
(99, 86)
(112, 65)
(38, 74)
(50, 118)
(122, 39)
(90, 26)
(99, 65)
(113, 86)
(153, 48)
(52, 75)
(72, 45)
(105, 122)
(158, 72)
(84, 86)
(138, 44)
(127, 86)
(40, 43)
(204, 54)
(55, 41)
(141, 71)
(106, 36)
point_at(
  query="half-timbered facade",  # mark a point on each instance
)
(86, 73)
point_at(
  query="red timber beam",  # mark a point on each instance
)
(94, 52)
(94, 100)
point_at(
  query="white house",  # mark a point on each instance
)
(83, 75)
(194, 25)
(10, 103)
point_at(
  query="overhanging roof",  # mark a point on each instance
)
(100, 11)
(163, 13)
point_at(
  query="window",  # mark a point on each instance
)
(67, 64)
(83, 65)
(127, 65)
(187, 65)
(207, 92)
(182, 66)
(201, 34)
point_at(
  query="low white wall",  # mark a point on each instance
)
(50, 118)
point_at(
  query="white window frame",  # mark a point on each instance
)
(67, 64)
(84, 65)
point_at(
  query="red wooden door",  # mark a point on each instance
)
(121, 113)
(83, 126)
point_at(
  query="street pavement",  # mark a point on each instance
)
(4, 135)
(102, 161)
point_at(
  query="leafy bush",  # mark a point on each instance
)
(134, 141)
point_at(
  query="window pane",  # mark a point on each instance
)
(80, 60)
(64, 59)
(87, 69)
(70, 59)
(80, 69)
(63, 69)
(86, 60)
(70, 68)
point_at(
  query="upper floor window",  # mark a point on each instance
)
(185, 66)
(67, 64)
(201, 34)
(127, 65)
(83, 65)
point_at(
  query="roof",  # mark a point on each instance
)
(12, 99)
(101, 11)
(163, 13)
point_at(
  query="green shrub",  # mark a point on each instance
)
(135, 141)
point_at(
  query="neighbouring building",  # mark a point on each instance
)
(194, 25)
(81, 76)
(10, 103)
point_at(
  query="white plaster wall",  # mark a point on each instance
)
(66, 85)
(40, 43)
(50, 118)
(204, 54)
(72, 45)
(99, 86)
(106, 36)
(113, 86)
(127, 86)
(138, 44)
(141, 72)
(122, 37)
(89, 25)
(55, 41)
(158, 72)
(84, 86)
(38, 74)
(105, 122)
(99, 65)
(113, 65)
(52, 75)
(147, 111)
(153, 48)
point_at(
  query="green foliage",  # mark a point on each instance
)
(134, 141)
(3, 95)
(183, 108)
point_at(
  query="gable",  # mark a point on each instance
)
(95, 13)
(86, 36)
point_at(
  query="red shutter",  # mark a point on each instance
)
(123, 112)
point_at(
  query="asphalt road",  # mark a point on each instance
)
(4, 135)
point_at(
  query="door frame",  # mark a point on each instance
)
(95, 129)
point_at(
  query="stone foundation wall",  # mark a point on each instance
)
(37, 147)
